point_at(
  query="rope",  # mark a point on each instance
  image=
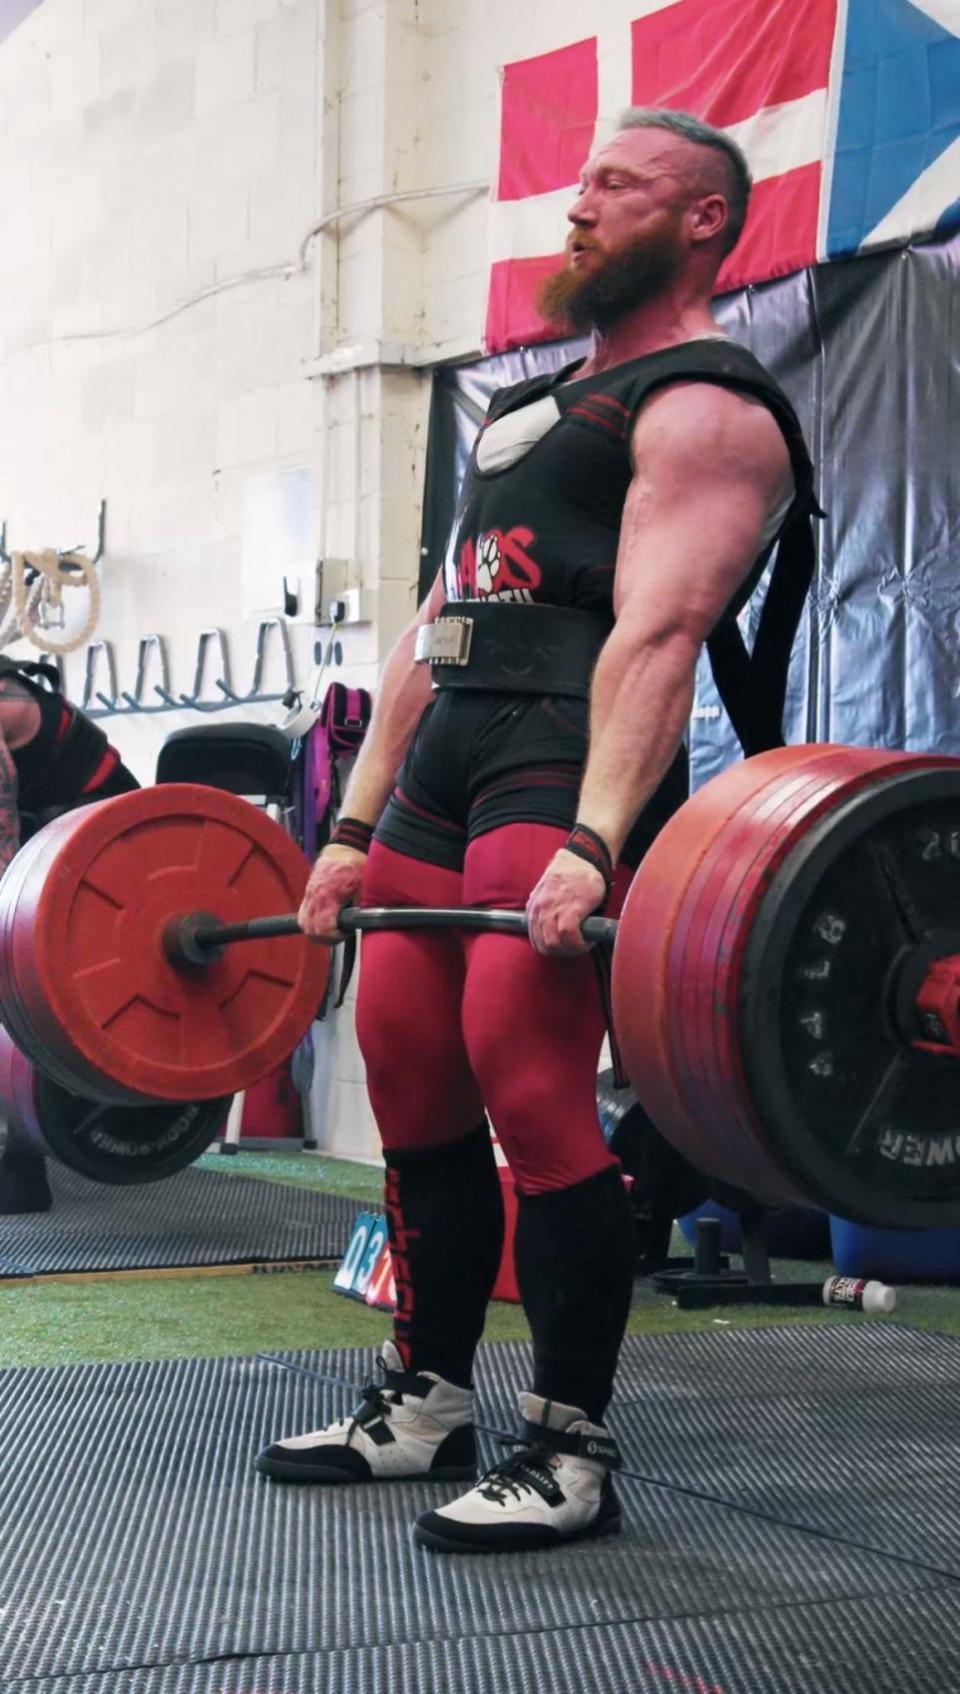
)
(22, 606)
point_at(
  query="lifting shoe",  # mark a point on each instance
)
(556, 1487)
(409, 1424)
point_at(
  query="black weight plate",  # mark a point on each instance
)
(122, 1145)
(869, 1125)
(663, 1182)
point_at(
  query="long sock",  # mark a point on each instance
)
(575, 1257)
(445, 1217)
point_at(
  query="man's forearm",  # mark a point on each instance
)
(404, 692)
(640, 703)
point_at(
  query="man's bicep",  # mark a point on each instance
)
(709, 469)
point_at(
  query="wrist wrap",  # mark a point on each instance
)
(588, 845)
(352, 832)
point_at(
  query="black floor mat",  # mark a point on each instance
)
(787, 1496)
(196, 1218)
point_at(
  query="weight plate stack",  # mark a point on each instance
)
(759, 975)
(86, 986)
(113, 1144)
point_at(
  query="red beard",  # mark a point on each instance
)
(630, 275)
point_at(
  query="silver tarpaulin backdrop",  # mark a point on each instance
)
(869, 352)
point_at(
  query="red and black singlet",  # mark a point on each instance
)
(542, 502)
(69, 761)
(539, 522)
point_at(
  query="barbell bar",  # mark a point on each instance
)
(786, 970)
(195, 939)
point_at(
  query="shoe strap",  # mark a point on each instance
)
(599, 1447)
(527, 1467)
(374, 1402)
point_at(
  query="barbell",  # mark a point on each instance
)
(786, 970)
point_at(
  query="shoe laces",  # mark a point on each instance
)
(528, 1470)
(376, 1399)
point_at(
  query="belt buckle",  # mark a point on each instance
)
(445, 642)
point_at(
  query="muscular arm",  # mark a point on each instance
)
(710, 465)
(403, 693)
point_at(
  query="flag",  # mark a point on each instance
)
(848, 112)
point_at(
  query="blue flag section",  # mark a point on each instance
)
(896, 167)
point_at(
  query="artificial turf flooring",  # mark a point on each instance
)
(202, 1316)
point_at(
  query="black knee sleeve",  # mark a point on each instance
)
(575, 1259)
(445, 1217)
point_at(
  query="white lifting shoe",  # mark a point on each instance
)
(556, 1487)
(408, 1424)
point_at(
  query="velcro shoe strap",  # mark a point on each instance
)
(600, 1448)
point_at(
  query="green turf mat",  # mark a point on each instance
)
(312, 1170)
(207, 1316)
(54, 1323)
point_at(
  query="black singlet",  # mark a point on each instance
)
(539, 521)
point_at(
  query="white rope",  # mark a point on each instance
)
(23, 608)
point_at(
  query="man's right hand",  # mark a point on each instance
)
(335, 882)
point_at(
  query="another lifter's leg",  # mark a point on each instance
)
(534, 1027)
(442, 1195)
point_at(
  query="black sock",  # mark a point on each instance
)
(445, 1217)
(575, 1260)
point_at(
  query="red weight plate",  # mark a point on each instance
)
(652, 929)
(708, 1059)
(83, 963)
(682, 934)
(721, 907)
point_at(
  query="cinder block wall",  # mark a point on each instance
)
(165, 344)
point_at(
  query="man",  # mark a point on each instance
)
(614, 517)
(52, 756)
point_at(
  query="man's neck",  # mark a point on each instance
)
(647, 329)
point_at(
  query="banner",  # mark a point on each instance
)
(861, 351)
(848, 112)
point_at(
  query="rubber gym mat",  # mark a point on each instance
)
(197, 1217)
(141, 1551)
(853, 1431)
(869, 1652)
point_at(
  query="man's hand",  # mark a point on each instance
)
(334, 883)
(569, 891)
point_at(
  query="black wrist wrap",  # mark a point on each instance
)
(588, 845)
(352, 832)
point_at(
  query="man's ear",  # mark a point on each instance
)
(708, 217)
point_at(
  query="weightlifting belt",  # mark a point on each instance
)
(512, 648)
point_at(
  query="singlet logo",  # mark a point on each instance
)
(498, 566)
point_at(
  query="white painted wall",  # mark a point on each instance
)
(166, 340)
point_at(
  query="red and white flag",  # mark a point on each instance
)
(757, 68)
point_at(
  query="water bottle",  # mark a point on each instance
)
(858, 1295)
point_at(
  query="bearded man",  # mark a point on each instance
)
(615, 516)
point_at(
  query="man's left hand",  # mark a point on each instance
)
(567, 893)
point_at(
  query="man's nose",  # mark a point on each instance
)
(583, 210)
